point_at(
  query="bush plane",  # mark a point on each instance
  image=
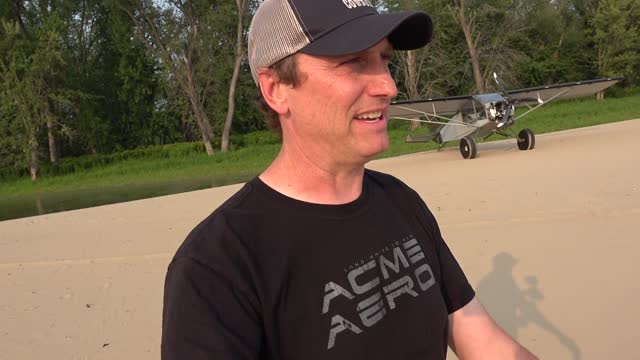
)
(480, 116)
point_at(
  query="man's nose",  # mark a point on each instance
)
(382, 84)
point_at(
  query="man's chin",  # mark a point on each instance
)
(371, 153)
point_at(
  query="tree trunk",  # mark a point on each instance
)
(203, 124)
(53, 148)
(198, 111)
(231, 107)
(34, 159)
(224, 141)
(207, 144)
(18, 7)
(471, 44)
(556, 54)
(411, 80)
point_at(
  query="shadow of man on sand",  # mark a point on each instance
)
(514, 308)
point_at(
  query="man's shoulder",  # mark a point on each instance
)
(246, 202)
(401, 194)
(221, 231)
(382, 179)
(388, 183)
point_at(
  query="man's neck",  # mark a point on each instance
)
(300, 176)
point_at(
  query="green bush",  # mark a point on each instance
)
(170, 151)
(260, 138)
(88, 162)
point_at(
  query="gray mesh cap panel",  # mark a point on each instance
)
(275, 33)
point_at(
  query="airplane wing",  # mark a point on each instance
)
(436, 109)
(432, 107)
(562, 91)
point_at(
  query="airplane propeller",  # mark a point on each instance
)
(510, 101)
(495, 78)
(511, 98)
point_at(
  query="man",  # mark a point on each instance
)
(318, 258)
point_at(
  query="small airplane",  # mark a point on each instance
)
(476, 116)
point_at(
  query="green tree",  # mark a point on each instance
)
(136, 82)
(177, 35)
(615, 32)
(489, 27)
(553, 41)
(28, 72)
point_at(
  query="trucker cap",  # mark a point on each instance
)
(329, 27)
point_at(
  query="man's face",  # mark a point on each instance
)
(338, 111)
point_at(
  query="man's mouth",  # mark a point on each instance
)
(370, 117)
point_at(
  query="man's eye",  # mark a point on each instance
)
(354, 60)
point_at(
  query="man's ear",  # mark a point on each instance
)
(273, 90)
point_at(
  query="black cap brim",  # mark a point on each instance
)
(406, 30)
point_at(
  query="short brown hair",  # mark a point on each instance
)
(287, 72)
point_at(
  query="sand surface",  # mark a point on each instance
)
(548, 237)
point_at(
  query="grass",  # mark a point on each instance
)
(255, 151)
(153, 169)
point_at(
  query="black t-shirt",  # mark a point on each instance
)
(266, 276)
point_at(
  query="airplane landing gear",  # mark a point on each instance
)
(526, 139)
(468, 148)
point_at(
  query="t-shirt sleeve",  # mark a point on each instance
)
(455, 287)
(205, 316)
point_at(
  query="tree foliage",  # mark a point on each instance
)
(30, 84)
(99, 76)
(615, 32)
